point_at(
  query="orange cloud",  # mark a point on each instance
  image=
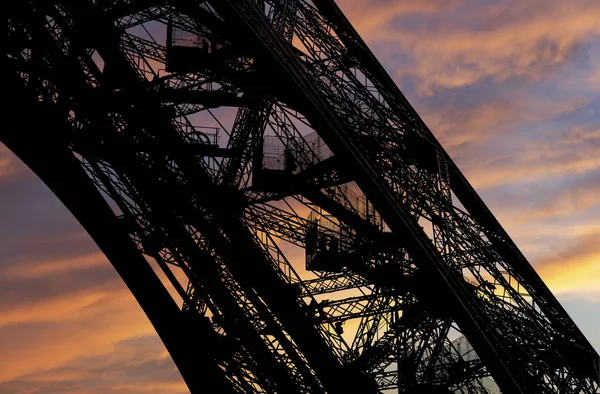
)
(7, 162)
(41, 267)
(488, 117)
(55, 309)
(136, 365)
(576, 153)
(502, 41)
(370, 16)
(50, 333)
(575, 270)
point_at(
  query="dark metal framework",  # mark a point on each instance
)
(218, 142)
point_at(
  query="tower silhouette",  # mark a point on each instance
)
(312, 233)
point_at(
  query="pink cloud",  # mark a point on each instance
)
(504, 40)
(8, 164)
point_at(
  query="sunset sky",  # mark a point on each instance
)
(512, 90)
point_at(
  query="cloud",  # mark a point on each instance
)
(33, 216)
(370, 16)
(8, 163)
(578, 152)
(59, 297)
(44, 334)
(42, 266)
(457, 44)
(465, 120)
(63, 297)
(593, 79)
(56, 305)
(565, 200)
(573, 198)
(574, 270)
(47, 279)
(135, 365)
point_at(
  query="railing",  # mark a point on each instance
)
(183, 38)
(279, 155)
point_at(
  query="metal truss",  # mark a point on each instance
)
(281, 213)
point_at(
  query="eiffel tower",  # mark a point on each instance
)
(281, 213)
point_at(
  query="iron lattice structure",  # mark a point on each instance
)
(215, 142)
